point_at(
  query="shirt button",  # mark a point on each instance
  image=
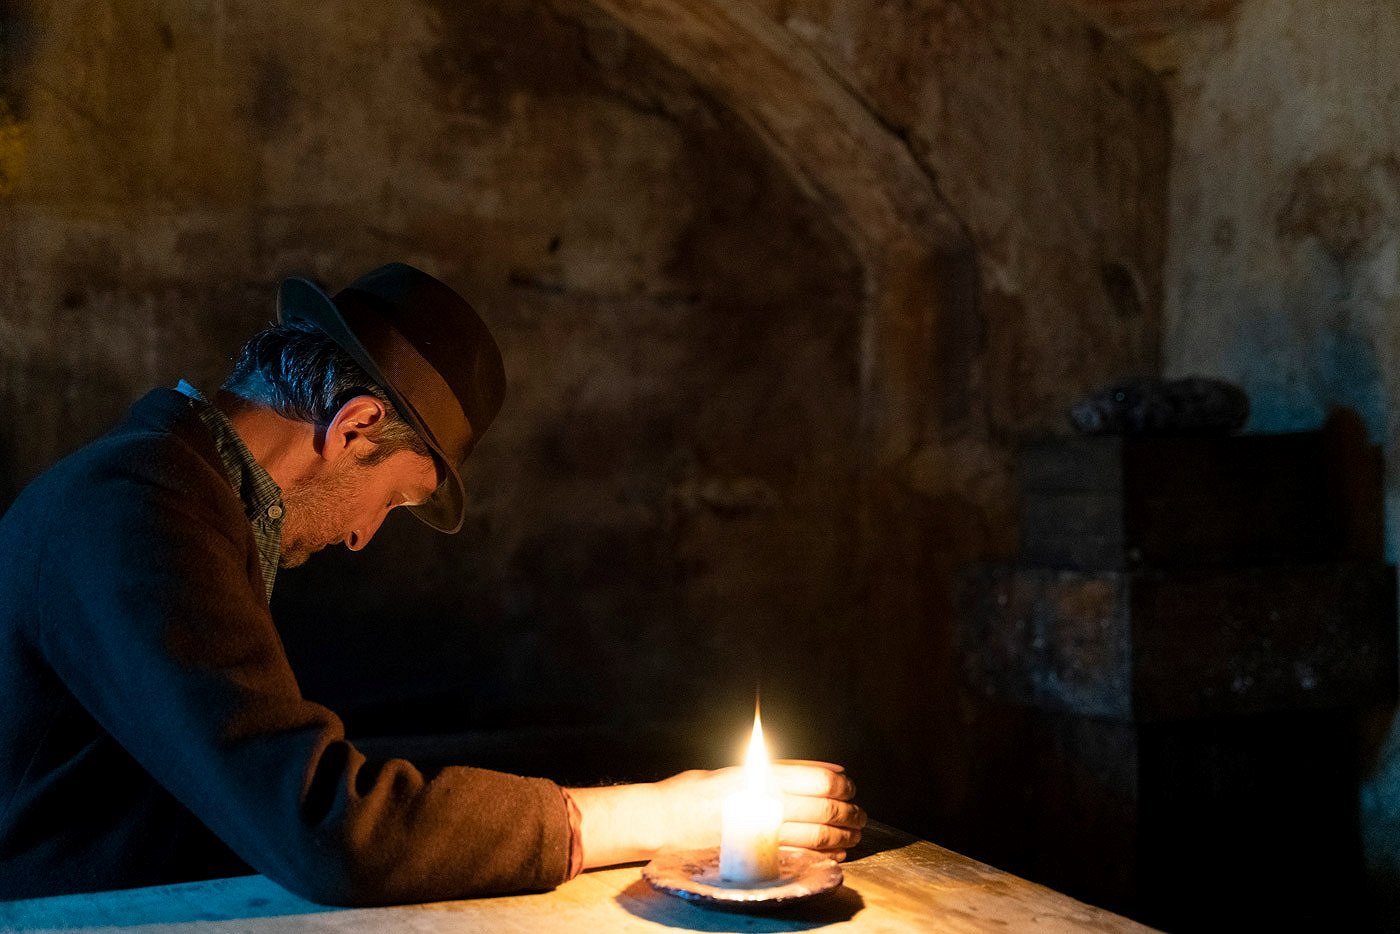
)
(274, 511)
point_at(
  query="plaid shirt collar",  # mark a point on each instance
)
(260, 494)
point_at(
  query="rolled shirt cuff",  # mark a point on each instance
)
(575, 835)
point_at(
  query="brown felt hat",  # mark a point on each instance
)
(428, 349)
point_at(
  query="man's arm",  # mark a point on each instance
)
(151, 623)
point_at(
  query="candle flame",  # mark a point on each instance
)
(756, 770)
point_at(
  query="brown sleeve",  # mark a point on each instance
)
(156, 629)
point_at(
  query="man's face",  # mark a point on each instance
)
(349, 500)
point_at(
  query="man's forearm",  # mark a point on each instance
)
(618, 823)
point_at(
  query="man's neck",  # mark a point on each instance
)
(284, 447)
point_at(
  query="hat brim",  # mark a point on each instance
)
(300, 299)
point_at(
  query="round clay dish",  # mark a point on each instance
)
(694, 876)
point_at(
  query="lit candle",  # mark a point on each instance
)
(748, 847)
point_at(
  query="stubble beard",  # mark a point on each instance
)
(313, 514)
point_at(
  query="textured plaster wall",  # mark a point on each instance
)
(674, 503)
(1283, 270)
(1049, 144)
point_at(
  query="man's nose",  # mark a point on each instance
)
(359, 538)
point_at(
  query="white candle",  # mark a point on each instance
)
(748, 847)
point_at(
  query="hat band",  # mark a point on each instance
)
(408, 376)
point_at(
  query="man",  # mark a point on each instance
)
(154, 731)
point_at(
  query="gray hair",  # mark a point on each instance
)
(300, 373)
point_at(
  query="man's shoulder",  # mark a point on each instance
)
(161, 440)
(161, 449)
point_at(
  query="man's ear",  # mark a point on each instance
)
(348, 429)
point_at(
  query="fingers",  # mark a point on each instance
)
(808, 810)
(817, 813)
(818, 836)
(815, 781)
(824, 824)
(838, 856)
(818, 763)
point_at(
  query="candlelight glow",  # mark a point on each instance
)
(757, 774)
(753, 815)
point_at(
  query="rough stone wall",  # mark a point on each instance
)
(1049, 144)
(1283, 269)
(670, 507)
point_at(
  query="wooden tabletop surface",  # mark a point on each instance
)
(894, 882)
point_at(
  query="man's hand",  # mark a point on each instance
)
(625, 823)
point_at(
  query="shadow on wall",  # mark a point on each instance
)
(9, 487)
(55, 410)
(15, 54)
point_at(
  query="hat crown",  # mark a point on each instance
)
(445, 329)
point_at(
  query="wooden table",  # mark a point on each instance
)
(894, 882)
